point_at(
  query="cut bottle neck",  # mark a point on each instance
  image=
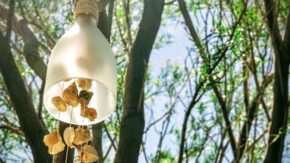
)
(86, 19)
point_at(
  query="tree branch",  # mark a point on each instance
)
(271, 15)
(190, 26)
(253, 107)
(110, 17)
(12, 129)
(126, 7)
(97, 140)
(10, 19)
(287, 37)
(192, 103)
(226, 117)
(22, 103)
(30, 43)
(278, 128)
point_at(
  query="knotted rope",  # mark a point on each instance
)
(91, 7)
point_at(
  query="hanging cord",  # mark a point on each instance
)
(55, 155)
(71, 113)
(56, 124)
(91, 7)
(87, 119)
(82, 127)
(66, 154)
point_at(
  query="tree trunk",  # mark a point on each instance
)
(22, 102)
(278, 128)
(280, 113)
(132, 123)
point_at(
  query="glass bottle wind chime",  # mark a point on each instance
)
(81, 82)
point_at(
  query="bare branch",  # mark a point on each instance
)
(12, 129)
(253, 107)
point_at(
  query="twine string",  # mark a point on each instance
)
(66, 154)
(71, 113)
(87, 7)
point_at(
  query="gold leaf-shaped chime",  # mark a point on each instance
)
(54, 143)
(70, 95)
(69, 136)
(84, 83)
(88, 154)
(59, 103)
(82, 135)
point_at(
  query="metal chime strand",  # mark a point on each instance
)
(87, 7)
(54, 156)
(71, 113)
(67, 149)
(87, 120)
(82, 127)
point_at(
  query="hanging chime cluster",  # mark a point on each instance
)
(76, 94)
(81, 83)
